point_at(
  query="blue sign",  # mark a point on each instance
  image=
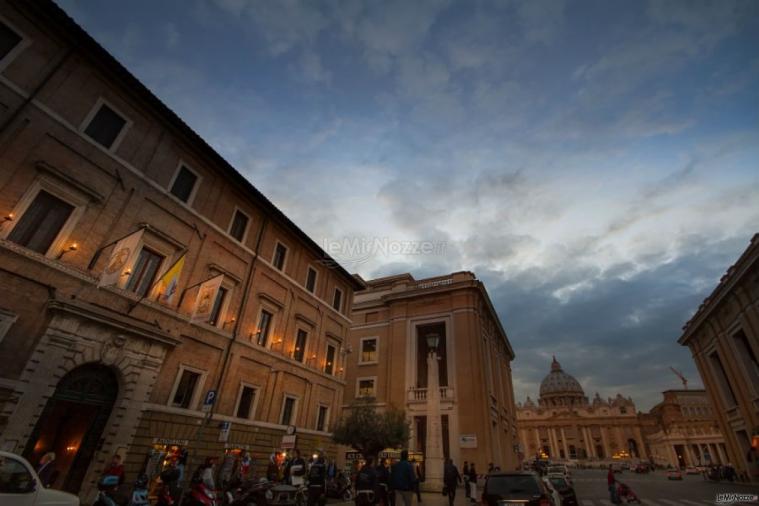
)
(209, 399)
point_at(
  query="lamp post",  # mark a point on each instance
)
(433, 458)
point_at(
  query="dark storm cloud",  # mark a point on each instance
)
(615, 334)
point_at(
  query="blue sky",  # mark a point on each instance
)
(596, 163)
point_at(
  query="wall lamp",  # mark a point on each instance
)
(73, 247)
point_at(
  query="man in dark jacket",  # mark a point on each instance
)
(366, 484)
(402, 478)
(385, 495)
(317, 481)
(451, 479)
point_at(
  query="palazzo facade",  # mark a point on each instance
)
(153, 303)
(392, 318)
(565, 424)
(685, 431)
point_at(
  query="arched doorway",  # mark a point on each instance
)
(71, 425)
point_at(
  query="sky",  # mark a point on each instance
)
(595, 163)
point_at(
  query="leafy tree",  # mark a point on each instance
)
(369, 431)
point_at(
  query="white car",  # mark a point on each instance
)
(554, 493)
(20, 485)
(559, 469)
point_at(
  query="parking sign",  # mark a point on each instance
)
(209, 399)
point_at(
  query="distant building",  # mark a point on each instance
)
(564, 424)
(723, 337)
(685, 432)
(391, 320)
(153, 303)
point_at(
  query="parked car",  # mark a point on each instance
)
(559, 469)
(616, 468)
(552, 490)
(692, 470)
(565, 489)
(19, 484)
(642, 468)
(526, 488)
(674, 474)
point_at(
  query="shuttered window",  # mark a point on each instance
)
(41, 223)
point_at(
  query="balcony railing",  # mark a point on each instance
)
(420, 394)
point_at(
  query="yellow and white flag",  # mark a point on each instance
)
(167, 285)
(206, 297)
(122, 257)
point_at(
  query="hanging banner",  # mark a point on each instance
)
(122, 258)
(206, 297)
(166, 286)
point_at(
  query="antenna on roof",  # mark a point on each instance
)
(681, 376)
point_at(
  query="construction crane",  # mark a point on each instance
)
(681, 376)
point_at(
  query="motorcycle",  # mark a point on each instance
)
(365, 498)
(200, 495)
(165, 491)
(340, 488)
(107, 488)
(249, 493)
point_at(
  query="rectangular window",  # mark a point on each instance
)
(311, 280)
(239, 225)
(8, 40)
(287, 411)
(185, 389)
(218, 305)
(366, 387)
(184, 184)
(368, 351)
(247, 398)
(337, 300)
(41, 223)
(321, 418)
(300, 345)
(719, 371)
(749, 358)
(329, 366)
(280, 252)
(264, 326)
(144, 272)
(105, 126)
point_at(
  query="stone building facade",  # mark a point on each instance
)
(723, 337)
(139, 271)
(685, 431)
(565, 424)
(392, 317)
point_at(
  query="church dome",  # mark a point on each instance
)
(560, 388)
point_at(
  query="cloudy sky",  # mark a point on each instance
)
(596, 163)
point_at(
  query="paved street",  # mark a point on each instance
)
(654, 489)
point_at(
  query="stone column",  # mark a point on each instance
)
(605, 443)
(673, 456)
(433, 458)
(588, 436)
(690, 458)
(537, 439)
(564, 443)
(722, 456)
(552, 443)
(641, 444)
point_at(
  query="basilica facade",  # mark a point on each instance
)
(565, 424)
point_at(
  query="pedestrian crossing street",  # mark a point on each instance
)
(650, 502)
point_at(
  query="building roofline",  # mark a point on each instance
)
(736, 272)
(417, 292)
(68, 29)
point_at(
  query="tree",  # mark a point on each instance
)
(369, 431)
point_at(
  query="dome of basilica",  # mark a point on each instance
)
(562, 387)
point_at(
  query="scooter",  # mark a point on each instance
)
(200, 495)
(340, 488)
(245, 493)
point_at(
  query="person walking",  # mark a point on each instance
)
(366, 484)
(296, 470)
(451, 479)
(402, 478)
(465, 472)
(383, 483)
(611, 481)
(115, 468)
(419, 479)
(473, 483)
(46, 470)
(317, 481)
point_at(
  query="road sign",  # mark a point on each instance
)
(288, 441)
(224, 431)
(208, 400)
